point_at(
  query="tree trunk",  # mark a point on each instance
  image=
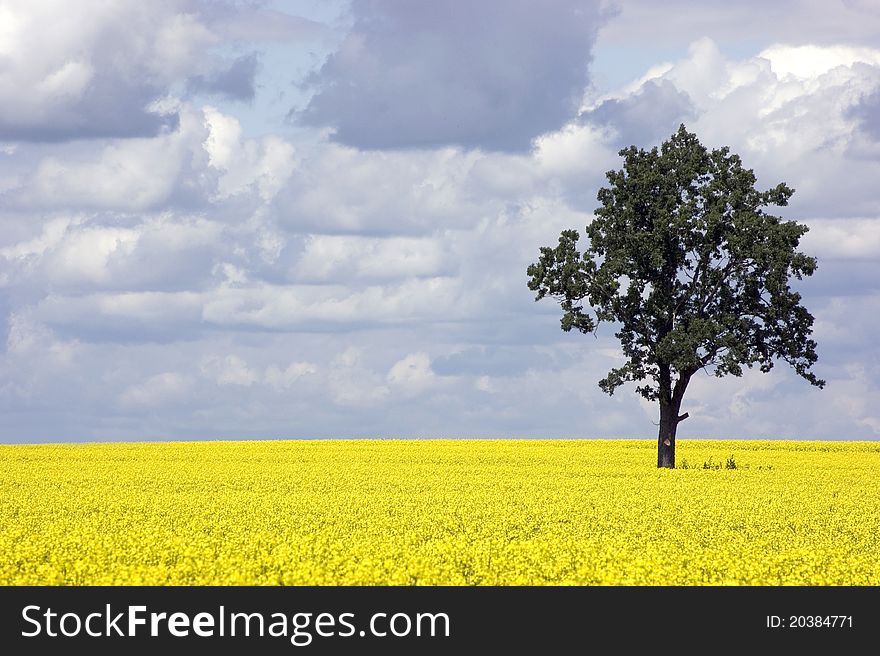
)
(669, 420)
(670, 403)
(666, 437)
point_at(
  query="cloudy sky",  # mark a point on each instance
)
(299, 218)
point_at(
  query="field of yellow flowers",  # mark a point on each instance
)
(428, 512)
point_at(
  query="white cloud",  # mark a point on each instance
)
(572, 151)
(484, 384)
(788, 112)
(52, 233)
(102, 308)
(342, 190)
(351, 383)
(280, 378)
(846, 238)
(774, 89)
(811, 61)
(750, 406)
(412, 374)
(846, 323)
(229, 370)
(131, 174)
(265, 164)
(83, 252)
(275, 306)
(699, 74)
(84, 256)
(157, 390)
(857, 396)
(27, 338)
(93, 71)
(205, 160)
(347, 258)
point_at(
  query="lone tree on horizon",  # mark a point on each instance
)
(685, 260)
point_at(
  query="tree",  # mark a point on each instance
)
(684, 259)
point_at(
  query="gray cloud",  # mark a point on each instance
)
(647, 23)
(256, 21)
(491, 74)
(237, 82)
(107, 109)
(867, 113)
(646, 117)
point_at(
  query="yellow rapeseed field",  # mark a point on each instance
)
(431, 512)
